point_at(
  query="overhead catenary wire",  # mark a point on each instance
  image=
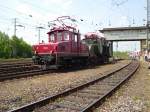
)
(11, 9)
(23, 14)
(32, 24)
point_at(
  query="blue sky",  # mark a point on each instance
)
(96, 14)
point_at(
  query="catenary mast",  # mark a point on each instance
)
(148, 22)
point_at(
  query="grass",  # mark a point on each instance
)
(122, 55)
(135, 98)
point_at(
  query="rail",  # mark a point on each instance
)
(84, 97)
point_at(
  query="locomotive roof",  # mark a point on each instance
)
(62, 29)
(95, 35)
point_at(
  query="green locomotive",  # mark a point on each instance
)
(100, 49)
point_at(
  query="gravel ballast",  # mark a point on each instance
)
(18, 92)
(134, 96)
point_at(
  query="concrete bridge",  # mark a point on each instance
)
(127, 34)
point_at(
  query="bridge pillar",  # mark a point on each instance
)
(143, 45)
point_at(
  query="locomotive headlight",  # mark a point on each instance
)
(51, 52)
(35, 52)
(56, 48)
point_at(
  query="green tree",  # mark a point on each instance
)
(4, 45)
(20, 48)
(14, 47)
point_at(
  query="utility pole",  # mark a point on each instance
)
(117, 46)
(39, 32)
(148, 23)
(117, 49)
(109, 24)
(15, 19)
(15, 26)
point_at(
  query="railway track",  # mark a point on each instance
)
(16, 64)
(84, 97)
(8, 61)
(18, 69)
(22, 74)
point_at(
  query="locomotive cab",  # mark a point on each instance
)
(67, 41)
(58, 36)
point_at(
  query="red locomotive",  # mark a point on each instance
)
(65, 47)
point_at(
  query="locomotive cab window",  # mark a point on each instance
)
(52, 37)
(75, 37)
(59, 36)
(66, 36)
